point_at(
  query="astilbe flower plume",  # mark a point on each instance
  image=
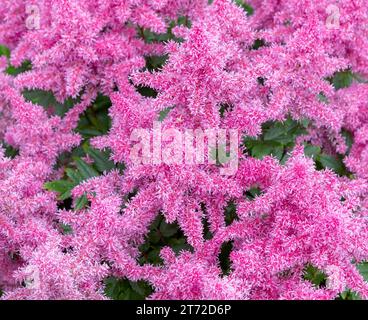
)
(27, 211)
(353, 102)
(228, 70)
(345, 37)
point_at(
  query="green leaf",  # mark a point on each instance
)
(85, 170)
(248, 9)
(74, 175)
(123, 289)
(184, 21)
(103, 122)
(230, 213)
(101, 159)
(224, 257)
(273, 133)
(312, 151)
(89, 132)
(47, 99)
(315, 276)
(142, 288)
(331, 163)
(10, 152)
(102, 103)
(224, 108)
(42, 98)
(263, 149)
(363, 269)
(95, 121)
(164, 113)
(278, 153)
(154, 237)
(349, 140)
(147, 91)
(254, 192)
(155, 63)
(66, 229)
(342, 79)
(322, 98)
(63, 187)
(349, 295)
(115, 287)
(179, 245)
(13, 71)
(81, 203)
(168, 230)
(4, 51)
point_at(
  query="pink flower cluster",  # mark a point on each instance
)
(302, 216)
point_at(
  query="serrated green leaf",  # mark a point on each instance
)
(314, 275)
(85, 170)
(74, 175)
(342, 79)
